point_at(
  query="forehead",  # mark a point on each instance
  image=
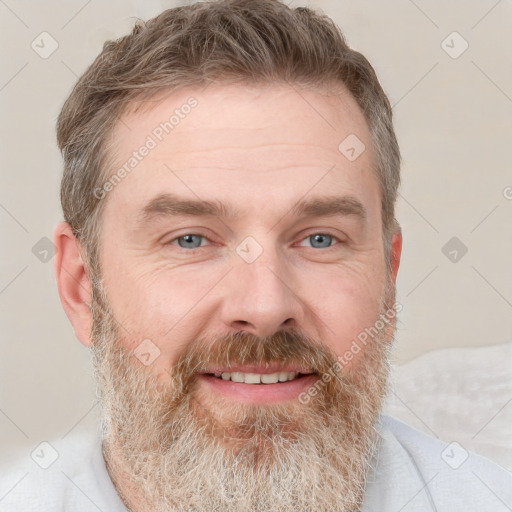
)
(268, 114)
(240, 140)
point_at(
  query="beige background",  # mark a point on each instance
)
(453, 121)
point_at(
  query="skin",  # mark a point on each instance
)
(260, 150)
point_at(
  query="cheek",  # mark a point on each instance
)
(151, 309)
(156, 305)
(347, 307)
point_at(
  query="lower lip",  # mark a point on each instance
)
(259, 393)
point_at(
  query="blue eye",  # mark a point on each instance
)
(193, 241)
(189, 242)
(323, 240)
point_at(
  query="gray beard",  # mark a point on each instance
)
(167, 448)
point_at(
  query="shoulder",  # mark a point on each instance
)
(64, 474)
(415, 471)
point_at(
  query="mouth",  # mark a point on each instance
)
(258, 385)
(258, 378)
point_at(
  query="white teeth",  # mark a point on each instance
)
(252, 378)
(270, 378)
(257, 378)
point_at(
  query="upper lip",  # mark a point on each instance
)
(251, 368)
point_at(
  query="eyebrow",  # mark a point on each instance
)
(171, 205)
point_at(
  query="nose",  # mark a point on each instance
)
(261, 297)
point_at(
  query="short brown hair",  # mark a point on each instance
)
(256, 41)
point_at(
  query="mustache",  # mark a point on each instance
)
(244, 348)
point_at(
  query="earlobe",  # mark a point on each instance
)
(395, 253)
(73, 281)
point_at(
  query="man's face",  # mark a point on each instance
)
(302, 284)
(174, 278)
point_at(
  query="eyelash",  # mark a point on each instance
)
(326, 233)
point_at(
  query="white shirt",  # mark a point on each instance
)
(413, 473)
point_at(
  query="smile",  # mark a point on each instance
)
(258, 388)
(259, 378)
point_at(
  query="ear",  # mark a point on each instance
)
(73, 281)
(395, 253)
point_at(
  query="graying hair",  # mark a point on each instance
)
(226, 41)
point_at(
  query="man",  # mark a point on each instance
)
(229, 254)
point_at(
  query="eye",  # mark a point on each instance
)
(322, 240)
(188, 241)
